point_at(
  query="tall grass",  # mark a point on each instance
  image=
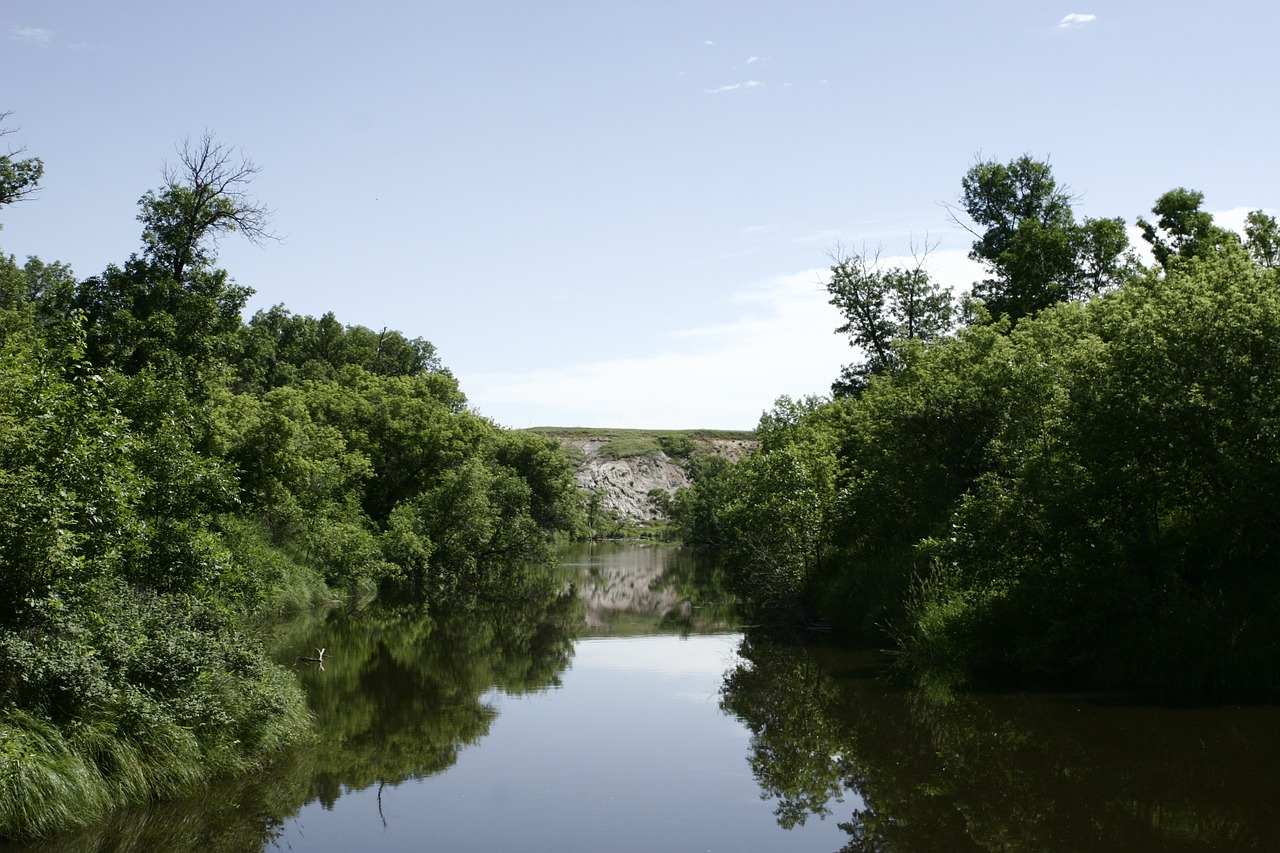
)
(57, 778)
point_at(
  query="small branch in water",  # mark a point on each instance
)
(319, 658)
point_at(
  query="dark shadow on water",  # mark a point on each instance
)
(1000, 772)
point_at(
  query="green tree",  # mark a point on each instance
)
(882, 309)
(19, 176)
(204, 197)
(777, 511)
(1125, 526)
(1263, 239)
(697, 508)
(170, 308)
(1182, 229)
(1030, 242)
(279, 348)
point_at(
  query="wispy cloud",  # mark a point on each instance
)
(750, 84)
(778, 339)
(1076, 19)
(33, 35)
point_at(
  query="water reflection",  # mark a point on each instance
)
(1007, 772)
(637, 588)
(400, 695)
(634, 753)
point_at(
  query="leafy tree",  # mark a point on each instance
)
(1125, 528)
(19, 178)
(1263, 239)
(170, 308)
(882, 309)
(204, 197)
(697, 508)
(1182, 229)
(1030, 242)
(279, 348)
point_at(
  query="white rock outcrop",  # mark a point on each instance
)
(624, 484)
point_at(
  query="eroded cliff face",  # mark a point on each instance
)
(624, 483)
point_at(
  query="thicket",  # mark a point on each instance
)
(170, 472)
(1084, 490)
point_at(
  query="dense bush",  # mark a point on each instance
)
(168, 472)
(1083, 494)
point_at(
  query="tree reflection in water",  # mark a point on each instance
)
(401, 694)
(1007, 772)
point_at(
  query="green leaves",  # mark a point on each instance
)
(19, 178)
(1182, 229)
(884, 309)
(1037, 253)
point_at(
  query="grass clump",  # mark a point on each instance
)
(171, 696)
(630, 447)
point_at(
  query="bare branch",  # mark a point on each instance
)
(205, 196)
(19, 177)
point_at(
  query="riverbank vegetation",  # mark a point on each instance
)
(170, 472)
(1067, 478)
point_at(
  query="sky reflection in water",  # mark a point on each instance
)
(632, 752)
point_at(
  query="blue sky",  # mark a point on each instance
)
(617, 213)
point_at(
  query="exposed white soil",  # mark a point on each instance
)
(624, 484)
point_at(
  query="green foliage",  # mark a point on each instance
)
(1086, 497)
(277, 348)
(19, 177)
(630, 447)
(883, 309)
(1262, 239)
(696, 508)
(1037, 253)
(1131, 498)
(168, 472)
(678, 445)
(1182, 229)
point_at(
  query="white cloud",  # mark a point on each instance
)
(1234, 219)
(778, 338)
(34, 35)
(749, 84)
(752, 59)
(1076, 19)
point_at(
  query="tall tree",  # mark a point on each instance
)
(172, 301)
(1182, 229)
(204, 197)
(19, 176)
(883, 308)
(1030, 242)
(1262, 239)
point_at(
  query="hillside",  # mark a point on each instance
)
(622, 466)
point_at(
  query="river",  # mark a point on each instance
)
(635, 716)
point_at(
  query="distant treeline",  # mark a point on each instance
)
(169, 471)
(1071, 476)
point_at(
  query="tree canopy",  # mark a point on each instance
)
(1029, 240)
(884, 309)
(19, 176)
(1078, 488)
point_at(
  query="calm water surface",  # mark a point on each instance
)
(632, 716)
